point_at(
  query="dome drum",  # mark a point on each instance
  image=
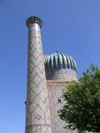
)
(62, 75)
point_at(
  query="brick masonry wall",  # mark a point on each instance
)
(45, 56)
(55, 91)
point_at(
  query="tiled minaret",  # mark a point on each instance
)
(38, 119)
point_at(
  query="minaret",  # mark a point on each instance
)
(38, 119)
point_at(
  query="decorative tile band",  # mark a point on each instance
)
(38, 118)
(62, 75)
(39, 129)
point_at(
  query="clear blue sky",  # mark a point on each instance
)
(69, 26)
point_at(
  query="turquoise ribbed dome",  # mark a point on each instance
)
(59, 61)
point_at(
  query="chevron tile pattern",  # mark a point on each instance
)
(38, 119)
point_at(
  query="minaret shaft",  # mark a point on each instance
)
(38, 118)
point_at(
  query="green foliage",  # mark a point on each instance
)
(82, 108)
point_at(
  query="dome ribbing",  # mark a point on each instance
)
(58, 61)
(60, 66)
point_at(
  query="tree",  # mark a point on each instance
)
(82, 108)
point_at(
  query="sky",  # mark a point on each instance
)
(69, 26)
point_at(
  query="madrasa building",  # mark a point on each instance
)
(46, 76)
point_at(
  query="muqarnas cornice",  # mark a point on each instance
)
(34, 19)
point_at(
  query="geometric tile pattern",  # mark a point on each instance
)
(55, 91)
(38, 118)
